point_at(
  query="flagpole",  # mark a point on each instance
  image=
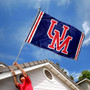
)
(25, 38)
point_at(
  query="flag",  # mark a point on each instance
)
(54, 35)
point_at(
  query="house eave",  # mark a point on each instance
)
(63, 78)
(9, 74)
(83, 81)
(47, 65)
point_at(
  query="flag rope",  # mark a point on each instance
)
(25, 38)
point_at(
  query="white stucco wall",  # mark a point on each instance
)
(85, 86)
(7, 84)
(39, 82)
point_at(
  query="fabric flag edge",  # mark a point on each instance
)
(34, 27)
(79, 46)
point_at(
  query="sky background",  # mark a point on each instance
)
(16, 18)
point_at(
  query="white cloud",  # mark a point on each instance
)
(32, 3)
(5, 56)
(21, 34)
(86, 28)
(10, 4)
(28, 3)
(76, 75)
(44, 54)
(86, 41)
(8, 57)
(40, 54)
(36, 3)
(62, 2)
(65, 70)
(84, 11)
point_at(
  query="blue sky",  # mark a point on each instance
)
(16, 18)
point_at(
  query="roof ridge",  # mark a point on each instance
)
(23, 65)
(30, 64)
(85, 79)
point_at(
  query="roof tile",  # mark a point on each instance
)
(12, 67)
(40, 62)
(26, 65)
(36, 63)
(31, 64)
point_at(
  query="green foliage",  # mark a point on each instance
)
(63, 69)
(57, 64)
(84, 74)
(71, 77)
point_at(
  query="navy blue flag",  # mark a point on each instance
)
(54, 35)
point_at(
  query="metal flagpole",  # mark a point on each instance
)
(25, 38)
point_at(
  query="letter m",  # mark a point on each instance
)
(59, 43)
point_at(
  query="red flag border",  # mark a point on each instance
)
(79, 46)
(35, 27)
